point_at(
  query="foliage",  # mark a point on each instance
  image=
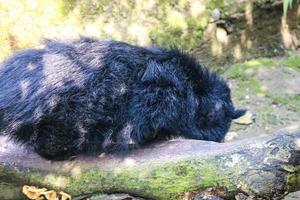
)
(286, 5)
(168, 23)
(180, 23)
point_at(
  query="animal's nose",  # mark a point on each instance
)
(211, 116)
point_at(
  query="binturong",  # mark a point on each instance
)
(91, 96)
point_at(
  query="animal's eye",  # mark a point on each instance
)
(211, 116)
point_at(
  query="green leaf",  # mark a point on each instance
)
(286, 5)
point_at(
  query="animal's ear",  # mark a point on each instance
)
(238, 113)
(157, 74)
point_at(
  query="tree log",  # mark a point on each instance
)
(263, 167)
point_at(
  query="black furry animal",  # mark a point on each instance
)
(89, 96)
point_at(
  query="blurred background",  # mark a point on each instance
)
(255, 44)
(219, 32)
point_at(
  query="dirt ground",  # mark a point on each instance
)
(269, 89)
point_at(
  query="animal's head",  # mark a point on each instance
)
(195, 101)
(211, 100)
(215, 107)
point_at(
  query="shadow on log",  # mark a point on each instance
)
(264, 167)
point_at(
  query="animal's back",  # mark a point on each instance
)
(18, 75)
(33, 81)
(85, 77)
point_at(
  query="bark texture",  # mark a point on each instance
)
(264, 167)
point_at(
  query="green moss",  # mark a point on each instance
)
(293, 180)
(235, 71)
(238, 70)
(168, 182)
(9, 191)
(216, 4)
(185, 176)
(292, 61)
(267, 62)
(290, 102)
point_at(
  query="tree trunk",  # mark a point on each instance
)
(263, 167)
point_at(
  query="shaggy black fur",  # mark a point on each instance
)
(90, 96)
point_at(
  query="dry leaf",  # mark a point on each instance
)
(246, 119)
(65, 196)
(33, 192)
(50, 195)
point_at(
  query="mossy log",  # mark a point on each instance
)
(264, 167)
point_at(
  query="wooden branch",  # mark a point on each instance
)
(267, 167)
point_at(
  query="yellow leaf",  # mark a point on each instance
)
(50, 195)
(65, 196)
(246, 119)
(33, 192)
